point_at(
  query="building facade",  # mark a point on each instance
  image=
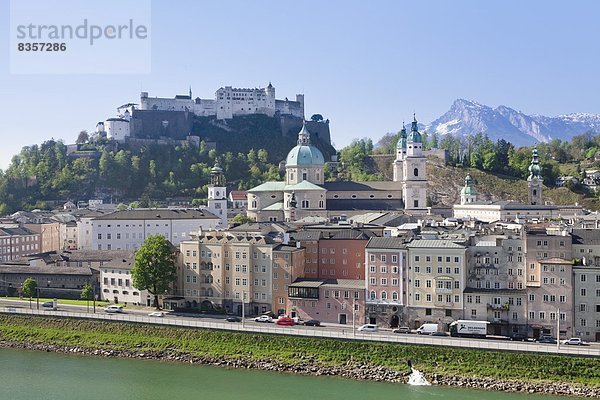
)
(127, 230)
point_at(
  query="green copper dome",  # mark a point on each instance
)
(469, 188)
(304, 153)
(414, 136)
(402, 140)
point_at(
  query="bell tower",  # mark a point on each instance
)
(217, 194)
(400, 155)
(414, 171)
(535, 180)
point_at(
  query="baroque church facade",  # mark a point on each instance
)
(304, 192)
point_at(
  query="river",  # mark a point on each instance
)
(26, 375)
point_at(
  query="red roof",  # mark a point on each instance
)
(238, 195)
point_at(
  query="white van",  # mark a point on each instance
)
(114, 309)
(368, 328)
(427, 329)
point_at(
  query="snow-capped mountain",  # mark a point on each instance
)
(468, 118)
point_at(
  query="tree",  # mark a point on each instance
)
(316, 118)
(241, 219)
(154, 268)
(87, 293)
(29, 288)
(83, 137)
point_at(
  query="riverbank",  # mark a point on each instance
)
(515, 372)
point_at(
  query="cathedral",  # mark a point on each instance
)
(304, 192)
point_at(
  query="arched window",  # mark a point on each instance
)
(291, 176)
(373, 295)
(253, 203)
(321, 204)
(305, 204)
(395, 296)
(384, 295)
(416, 171)
(534, 192)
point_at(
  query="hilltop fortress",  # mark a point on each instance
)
(228, 102)
(158, 118)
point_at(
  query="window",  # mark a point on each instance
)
(416, 171)
(417, 258)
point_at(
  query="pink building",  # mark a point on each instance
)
(339, 301)
(386, 287)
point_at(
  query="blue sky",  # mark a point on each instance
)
(364, 65)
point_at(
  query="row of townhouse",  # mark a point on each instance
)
(17, 242)
(521, 282)
(235, 272)
(521, 279)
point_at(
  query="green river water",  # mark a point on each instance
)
(28, 375)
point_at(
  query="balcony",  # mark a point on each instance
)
(504, 306)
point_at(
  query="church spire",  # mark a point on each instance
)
(304, 136)
(535, 170)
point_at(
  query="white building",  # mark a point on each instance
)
(228, 102)
(127, 230)
(116, 283)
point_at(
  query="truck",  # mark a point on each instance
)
(468, 328)
(427, 329)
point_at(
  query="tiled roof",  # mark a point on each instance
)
(9, 269)
(238, 195)
(158, 213)
(590, 237)
(273, 186)
(386, 243)
(306, 235)
(435, 243)
(304, 185)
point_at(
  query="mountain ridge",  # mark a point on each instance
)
(468, 117)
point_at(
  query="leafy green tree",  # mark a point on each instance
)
(316, 118)
(83, 137)
(154, 268)
(87, 293)
(29, 288)
(241, 219)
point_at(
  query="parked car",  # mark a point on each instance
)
(159, 314)
(439, 334)
(402, 329)
(519, 337)
(312, 322)
(298, 321)
(233, 318)
(546, 339)
(574, 341)
(48, 304)
(368, 328)
(287, 321)
(263, 318)
(114, 309)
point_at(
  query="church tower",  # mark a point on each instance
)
(414, 173)
(468, 194)
(217, 194)
(400, 155)
(535, 180)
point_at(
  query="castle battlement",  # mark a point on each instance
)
(228, 102)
